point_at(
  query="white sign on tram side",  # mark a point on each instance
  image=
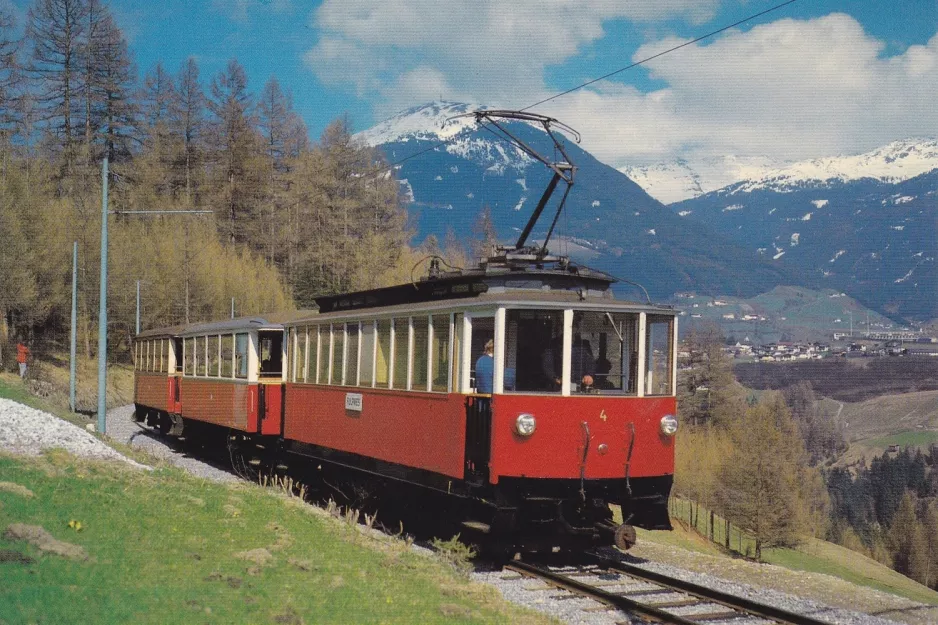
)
(353, 401)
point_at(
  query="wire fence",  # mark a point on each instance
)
(711, 526)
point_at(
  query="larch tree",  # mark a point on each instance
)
(283, 133)
(10, 79)
(188, 123)
(235, 150)
(113, 79)
(56, 29)
(484, 235)
(761, 481)
(909, 541)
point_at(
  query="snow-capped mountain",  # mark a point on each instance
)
(682, 179)
(609, 221)
(863, 225)
(892, 163)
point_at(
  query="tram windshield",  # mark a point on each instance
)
(604, 352)
(605, 348)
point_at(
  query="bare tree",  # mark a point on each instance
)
(233, 140)
(188, 119)
(56, 28)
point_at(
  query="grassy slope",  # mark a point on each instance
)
(164, 549)
(819, 556)
(910, 419)
(815, 556)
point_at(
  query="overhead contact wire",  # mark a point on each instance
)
(655, 56)
(605, 76)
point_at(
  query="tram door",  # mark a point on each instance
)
(270, 387)
(478, 406)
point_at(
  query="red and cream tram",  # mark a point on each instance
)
(570, 409)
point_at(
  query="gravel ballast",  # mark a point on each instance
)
(122, 428)
(27, 431)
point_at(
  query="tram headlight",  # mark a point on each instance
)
(525, 424)
(668, 425)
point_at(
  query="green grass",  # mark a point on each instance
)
(814, 555)
(164, 547)
(913, 438)
(818, 556)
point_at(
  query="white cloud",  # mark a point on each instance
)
(789, 89)
(496, 51)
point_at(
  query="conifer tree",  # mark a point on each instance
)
(235, 146)
(56, 29)
(762, 483)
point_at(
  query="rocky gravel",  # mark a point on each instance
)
(27, 431)
(123, 429)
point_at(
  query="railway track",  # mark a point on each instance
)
(653, 596)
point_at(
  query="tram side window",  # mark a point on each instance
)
(163, 355)
(213, 360)
(457, 347)
(177, 348)
(440, 353)
(189, 356)
(291, 355)
(271, 353)
(533, 350)
(149, 355)
(322, 369)
(383, 356)
(241, 356)
(401, 351)
(351, 354)
(301, 372)
(367, 354)
(605, 346)
(658, 352)
(483, 331)
(200, 355)
(312, 337)
(421, 356)
(227, 350)
(337, 372)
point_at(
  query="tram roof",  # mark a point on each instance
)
(271, 321)
(516, 298)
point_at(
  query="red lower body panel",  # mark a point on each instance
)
(223, 403)
(153, 390)
(556, 448)
(422, 431)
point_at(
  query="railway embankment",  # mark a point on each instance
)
(176, 546)
(195, 541)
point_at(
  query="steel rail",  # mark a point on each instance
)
(709, 594)
(617, 601)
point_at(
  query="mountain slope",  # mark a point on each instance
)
(873, 238)
(609, 222)
(681, 179)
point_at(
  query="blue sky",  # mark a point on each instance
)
(788, 85)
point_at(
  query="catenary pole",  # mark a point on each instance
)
(72, 350)
(102, 309)
(232, 308)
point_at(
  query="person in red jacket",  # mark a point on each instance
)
(22, 355)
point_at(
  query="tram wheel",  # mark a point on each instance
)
(625, 537)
